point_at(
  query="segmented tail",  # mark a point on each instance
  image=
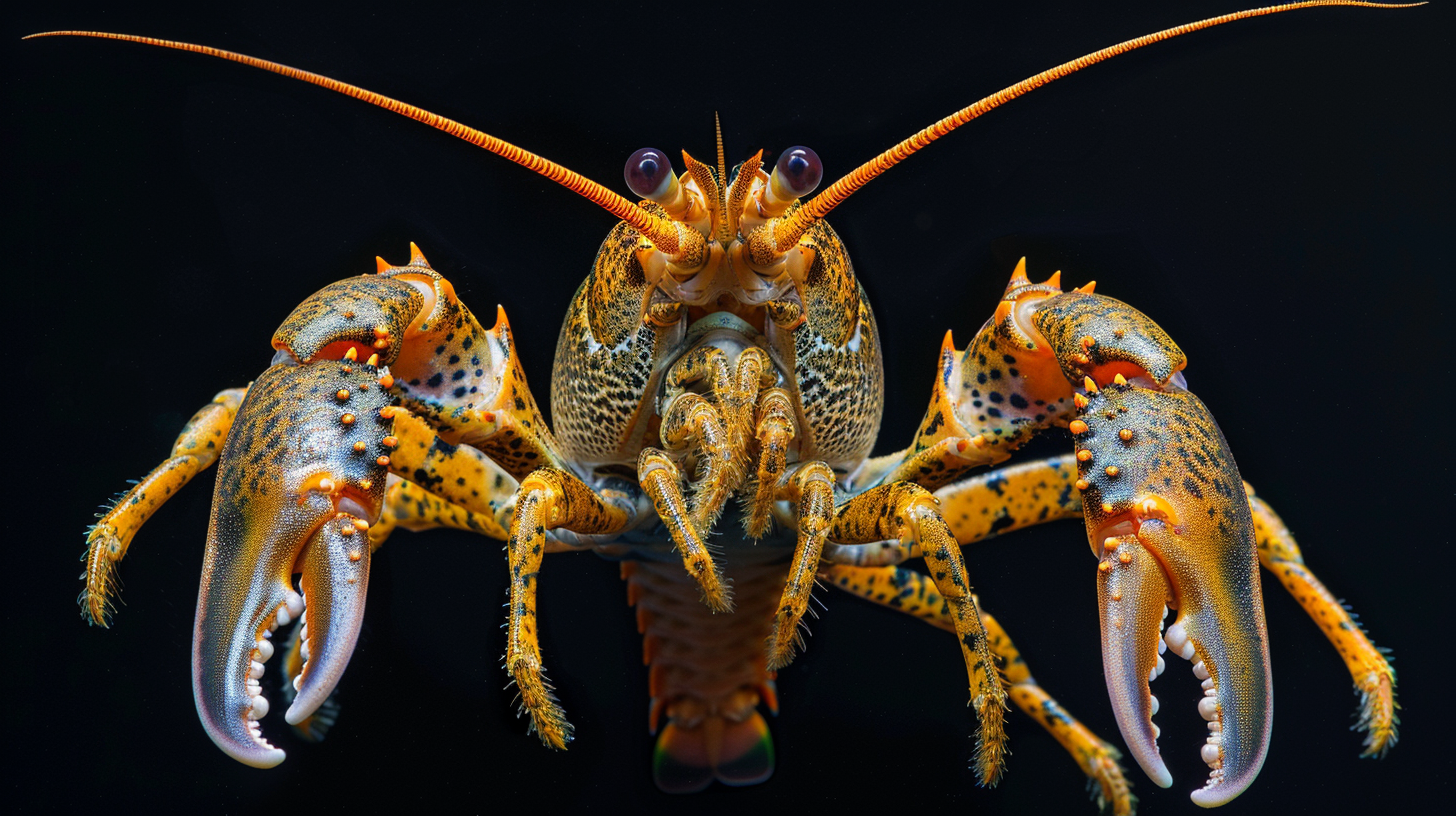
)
(708, 675)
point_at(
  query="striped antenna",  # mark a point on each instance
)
(663, 233)
(788, 231)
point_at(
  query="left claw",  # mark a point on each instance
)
(1168, 518)
(300, 480)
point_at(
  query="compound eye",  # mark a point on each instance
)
(799, 171)
(649, 173)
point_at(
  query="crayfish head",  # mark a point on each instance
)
(736, 212)
(1168, 519)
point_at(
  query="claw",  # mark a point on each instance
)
(292, 492)
(1168, 518)
(335, 576)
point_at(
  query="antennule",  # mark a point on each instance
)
(702, 175)
(788, 231)
(738, 196)
(667, 236)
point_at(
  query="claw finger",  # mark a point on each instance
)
(335, 577)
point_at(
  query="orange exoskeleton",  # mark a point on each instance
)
(716, 394)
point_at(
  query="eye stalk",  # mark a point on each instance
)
(797, 173)
(649, 175)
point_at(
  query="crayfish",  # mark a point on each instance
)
(715, 398)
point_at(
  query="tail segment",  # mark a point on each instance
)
(708, 675)
(687, 760)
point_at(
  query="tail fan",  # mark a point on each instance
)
(688, 760)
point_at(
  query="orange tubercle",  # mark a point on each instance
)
(317, 483)
(352, 354)
(1112, 470)
(1077, 426)
(389, 441)
(382, 461)
(343, 394)
(1157, 507)
(1083, 484)
(387, 381)
(347, 419)
(1084, 455)
(1125, 434)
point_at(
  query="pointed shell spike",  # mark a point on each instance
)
(1018, 275)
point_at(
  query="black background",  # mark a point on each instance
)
(1276, 193)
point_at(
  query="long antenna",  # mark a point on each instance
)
(788, 231)
(663, 233)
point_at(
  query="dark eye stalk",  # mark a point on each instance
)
(797, 173)
(649, 175)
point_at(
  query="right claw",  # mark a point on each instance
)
(300, 480)
(1169, 520)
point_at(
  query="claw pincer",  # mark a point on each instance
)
(300, 480)
(1169, 520)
